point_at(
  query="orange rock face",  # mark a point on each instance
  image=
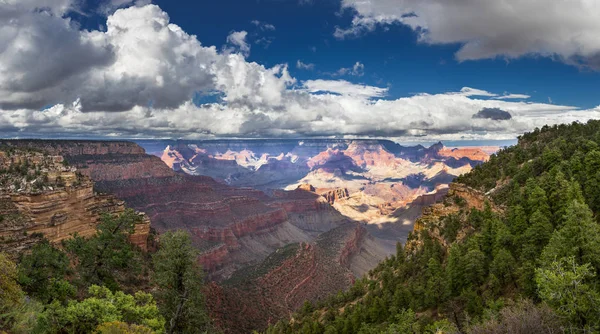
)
(335, 195)
(370, 155)
(57, 212)
(473, 153)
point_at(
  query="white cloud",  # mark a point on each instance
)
(263, 25)
(343, 87)
(468, 91)
(238, 40)
(149, 69)
(358, 70)
(305, 66)
(141, 59)
(514, 97)
(251, 84)
(56, 7)
(111, 6)
(488, 29)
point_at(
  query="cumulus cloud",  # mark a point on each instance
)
(112, 5)
(250, 84)
(305, 112)
(305, 66)
(238, 40)
(489, 29)
(140, 76)
(8, 8)
(141, 59)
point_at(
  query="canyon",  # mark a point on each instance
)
(372, 190)
(276, 222)
(376, 182)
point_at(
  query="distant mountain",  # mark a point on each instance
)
(380, 176)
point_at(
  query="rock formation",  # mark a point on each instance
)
(41, 197)
(335, 195)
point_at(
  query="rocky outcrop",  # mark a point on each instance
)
(270, 291)
(307, 271)
(64, 205)
(481, 154)
(352, 244)
(306, 187)
(214, 258)
(431, 198)
(335, 195)
(459, 200)
(367, 154)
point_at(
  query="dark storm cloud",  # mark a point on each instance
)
(495, 114)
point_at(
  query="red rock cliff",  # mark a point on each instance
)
(55, 203)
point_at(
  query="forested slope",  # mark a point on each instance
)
(527, 261)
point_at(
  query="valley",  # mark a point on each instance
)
(376, 182)
(339, 207)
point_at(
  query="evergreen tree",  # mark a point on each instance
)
(42, 273)
(436, 289)
(108, 255)
(503, 266)
(10, 292)
(180, 280)
(536, 236)
(536, 199)
(579, 237)
(592, 180)
(567, 287)
(456, 270)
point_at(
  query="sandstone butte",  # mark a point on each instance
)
(53, 212)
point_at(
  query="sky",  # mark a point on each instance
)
(408, 70)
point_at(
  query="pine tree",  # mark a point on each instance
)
(180, 280)
(436, 289)
(536, 236)
(579, 237)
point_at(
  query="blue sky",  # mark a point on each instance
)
(391, 55)
(411, 70)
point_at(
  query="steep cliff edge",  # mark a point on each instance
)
(41, 196)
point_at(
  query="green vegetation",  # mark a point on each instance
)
(527, 263)
(179, 278)
(107, 258)
(103, 284)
